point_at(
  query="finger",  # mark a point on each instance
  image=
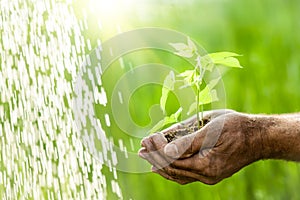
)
(187, 175)
(166, 176)
(185, 146)
(212, 132)
(205, 138)
(155, 158)
(142, 152)
(153, 150)
(154, 142)
(180, 180)
(146, 143)
(158, 141)
(197, 162)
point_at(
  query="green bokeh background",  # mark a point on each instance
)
(266, 33)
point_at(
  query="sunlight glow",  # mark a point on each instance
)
(110, 10)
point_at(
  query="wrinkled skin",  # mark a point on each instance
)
(226, 144)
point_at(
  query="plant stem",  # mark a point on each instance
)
(201, 106)
(197, 108)
(201, 110)
(201, 75)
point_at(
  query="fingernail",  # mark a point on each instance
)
(171, 150)
(154, 169)
(203, 153)
(143, 142)
(142, 155)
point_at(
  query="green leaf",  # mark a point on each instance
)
(224, 54)
(176, 114)
(167, 120)
(207, 96)
(226, 59)
(184, 50)
(179, 46)
(229, 62)
(167, 87)
(158, 126)
(163, 99)
(213, 83)
(170, 81)
(207, 63)
(188, 76)
(192, 108)
(191, 44)
(187, 73)
(186, 53)
(214, 96)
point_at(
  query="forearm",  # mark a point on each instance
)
(281, 137)
(288, 115)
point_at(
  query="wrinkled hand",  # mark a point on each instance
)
(228, 142)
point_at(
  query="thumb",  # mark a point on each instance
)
(185, 146)
(205, 138)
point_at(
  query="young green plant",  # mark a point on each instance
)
(194, 78)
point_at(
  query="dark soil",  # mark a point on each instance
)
(185, 130)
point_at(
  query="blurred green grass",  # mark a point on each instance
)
(266, 33)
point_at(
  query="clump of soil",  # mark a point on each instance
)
(185, 130)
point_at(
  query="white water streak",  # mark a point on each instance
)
(42, 156)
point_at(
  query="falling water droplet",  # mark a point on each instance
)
(42, 155)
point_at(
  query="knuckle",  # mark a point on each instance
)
(170, 171)
(159, 140)
(182, 182)
(213, 171)
(211, 181)
(169, 178)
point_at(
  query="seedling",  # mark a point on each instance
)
(194, 78)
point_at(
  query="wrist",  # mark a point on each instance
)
(280, 137)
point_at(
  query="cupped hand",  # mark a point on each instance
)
(228, 142)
